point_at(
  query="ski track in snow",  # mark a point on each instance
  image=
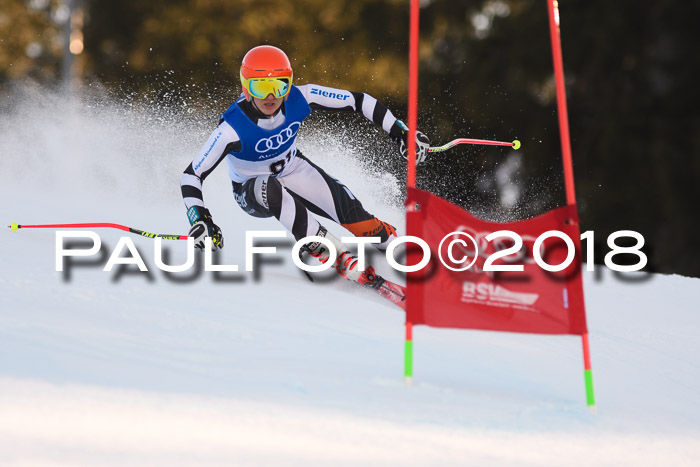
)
(135, 369)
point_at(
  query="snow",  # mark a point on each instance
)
(266, 368)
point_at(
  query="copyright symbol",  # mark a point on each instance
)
(460, 249)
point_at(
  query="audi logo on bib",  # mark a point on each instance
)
(278, 140)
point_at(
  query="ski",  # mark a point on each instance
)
(392, 291)
(389, 290)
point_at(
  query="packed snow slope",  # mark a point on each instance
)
(267, 368)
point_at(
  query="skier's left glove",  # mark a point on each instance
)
(202, 227)
(400, 135)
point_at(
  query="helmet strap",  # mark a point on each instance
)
(252, 101)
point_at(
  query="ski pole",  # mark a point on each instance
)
(16, 226)
(515, 144)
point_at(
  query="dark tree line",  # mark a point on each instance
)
(485, 72)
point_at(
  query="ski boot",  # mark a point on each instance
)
(345, 263)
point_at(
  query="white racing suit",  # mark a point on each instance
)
(269, 174)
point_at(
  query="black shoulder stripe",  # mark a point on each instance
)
(359, 99)
(233, 147)
(347, 108)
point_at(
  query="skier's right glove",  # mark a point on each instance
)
(202, 227)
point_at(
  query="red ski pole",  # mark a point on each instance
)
(515, 144)
(16, 226)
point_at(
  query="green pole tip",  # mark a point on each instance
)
(516, 144)
(14, 226)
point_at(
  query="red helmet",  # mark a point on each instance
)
(264, 61)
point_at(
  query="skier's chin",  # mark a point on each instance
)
(268, 108)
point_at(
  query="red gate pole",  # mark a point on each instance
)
(553, 7)
(413, 92)
(411, 177)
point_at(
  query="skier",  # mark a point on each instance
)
(271, 177)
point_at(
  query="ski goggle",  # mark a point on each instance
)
(263, 87)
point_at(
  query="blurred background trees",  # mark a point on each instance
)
(485, 72)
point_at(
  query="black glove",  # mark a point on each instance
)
(202, 227)
(422, 142)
